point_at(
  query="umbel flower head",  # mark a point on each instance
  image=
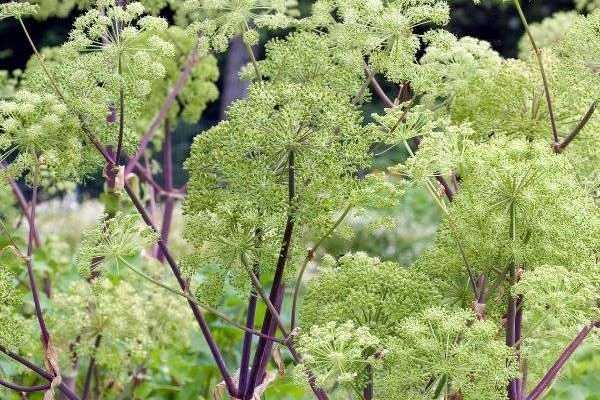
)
(39, 129)
(17, 9)
(221, 20)
(446, 351)
(288, 149)
(338, 354)
(381, 31)
(366, 291)
(103, 245)
(520, 184)
(112, 52)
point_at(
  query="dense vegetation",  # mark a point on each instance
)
(445, 247)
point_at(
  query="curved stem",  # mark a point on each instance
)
(538, 56)
(18, 193)
(190, 298)
(258, 287)
(24, 389)
(42, 63)
(377, 88)
(309, 257)
(45, 335)
(40, 371)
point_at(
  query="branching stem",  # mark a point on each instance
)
(40, 371)
(258, 287)
(540, 61)
(169, 205)
(184, 77)
(192, 299)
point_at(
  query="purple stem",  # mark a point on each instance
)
(18, 193)
(584, 120)
(269, 324)
(510, 341)
(368, 390)
(45, 335)
(268, 347)
(184, 76)
(88, 376)
(547, 379)
(24, 389)
(214, 349)
(380, 93)
(276, 295)
(447, 190)
(41, 372)
(168, 183)
(518, 326)
(247, 345)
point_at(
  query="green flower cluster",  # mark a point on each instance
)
(222, 20)
(379, 30)
(338, 354)
(445, 352)
(288, 149)
(18, 10)
(366, 291)
(414, 347)
(130, 320)
(517, 183)
(10, 322)
(103, 245)
(38, 128)
(309, 57)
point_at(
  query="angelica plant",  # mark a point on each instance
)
(506, 149)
